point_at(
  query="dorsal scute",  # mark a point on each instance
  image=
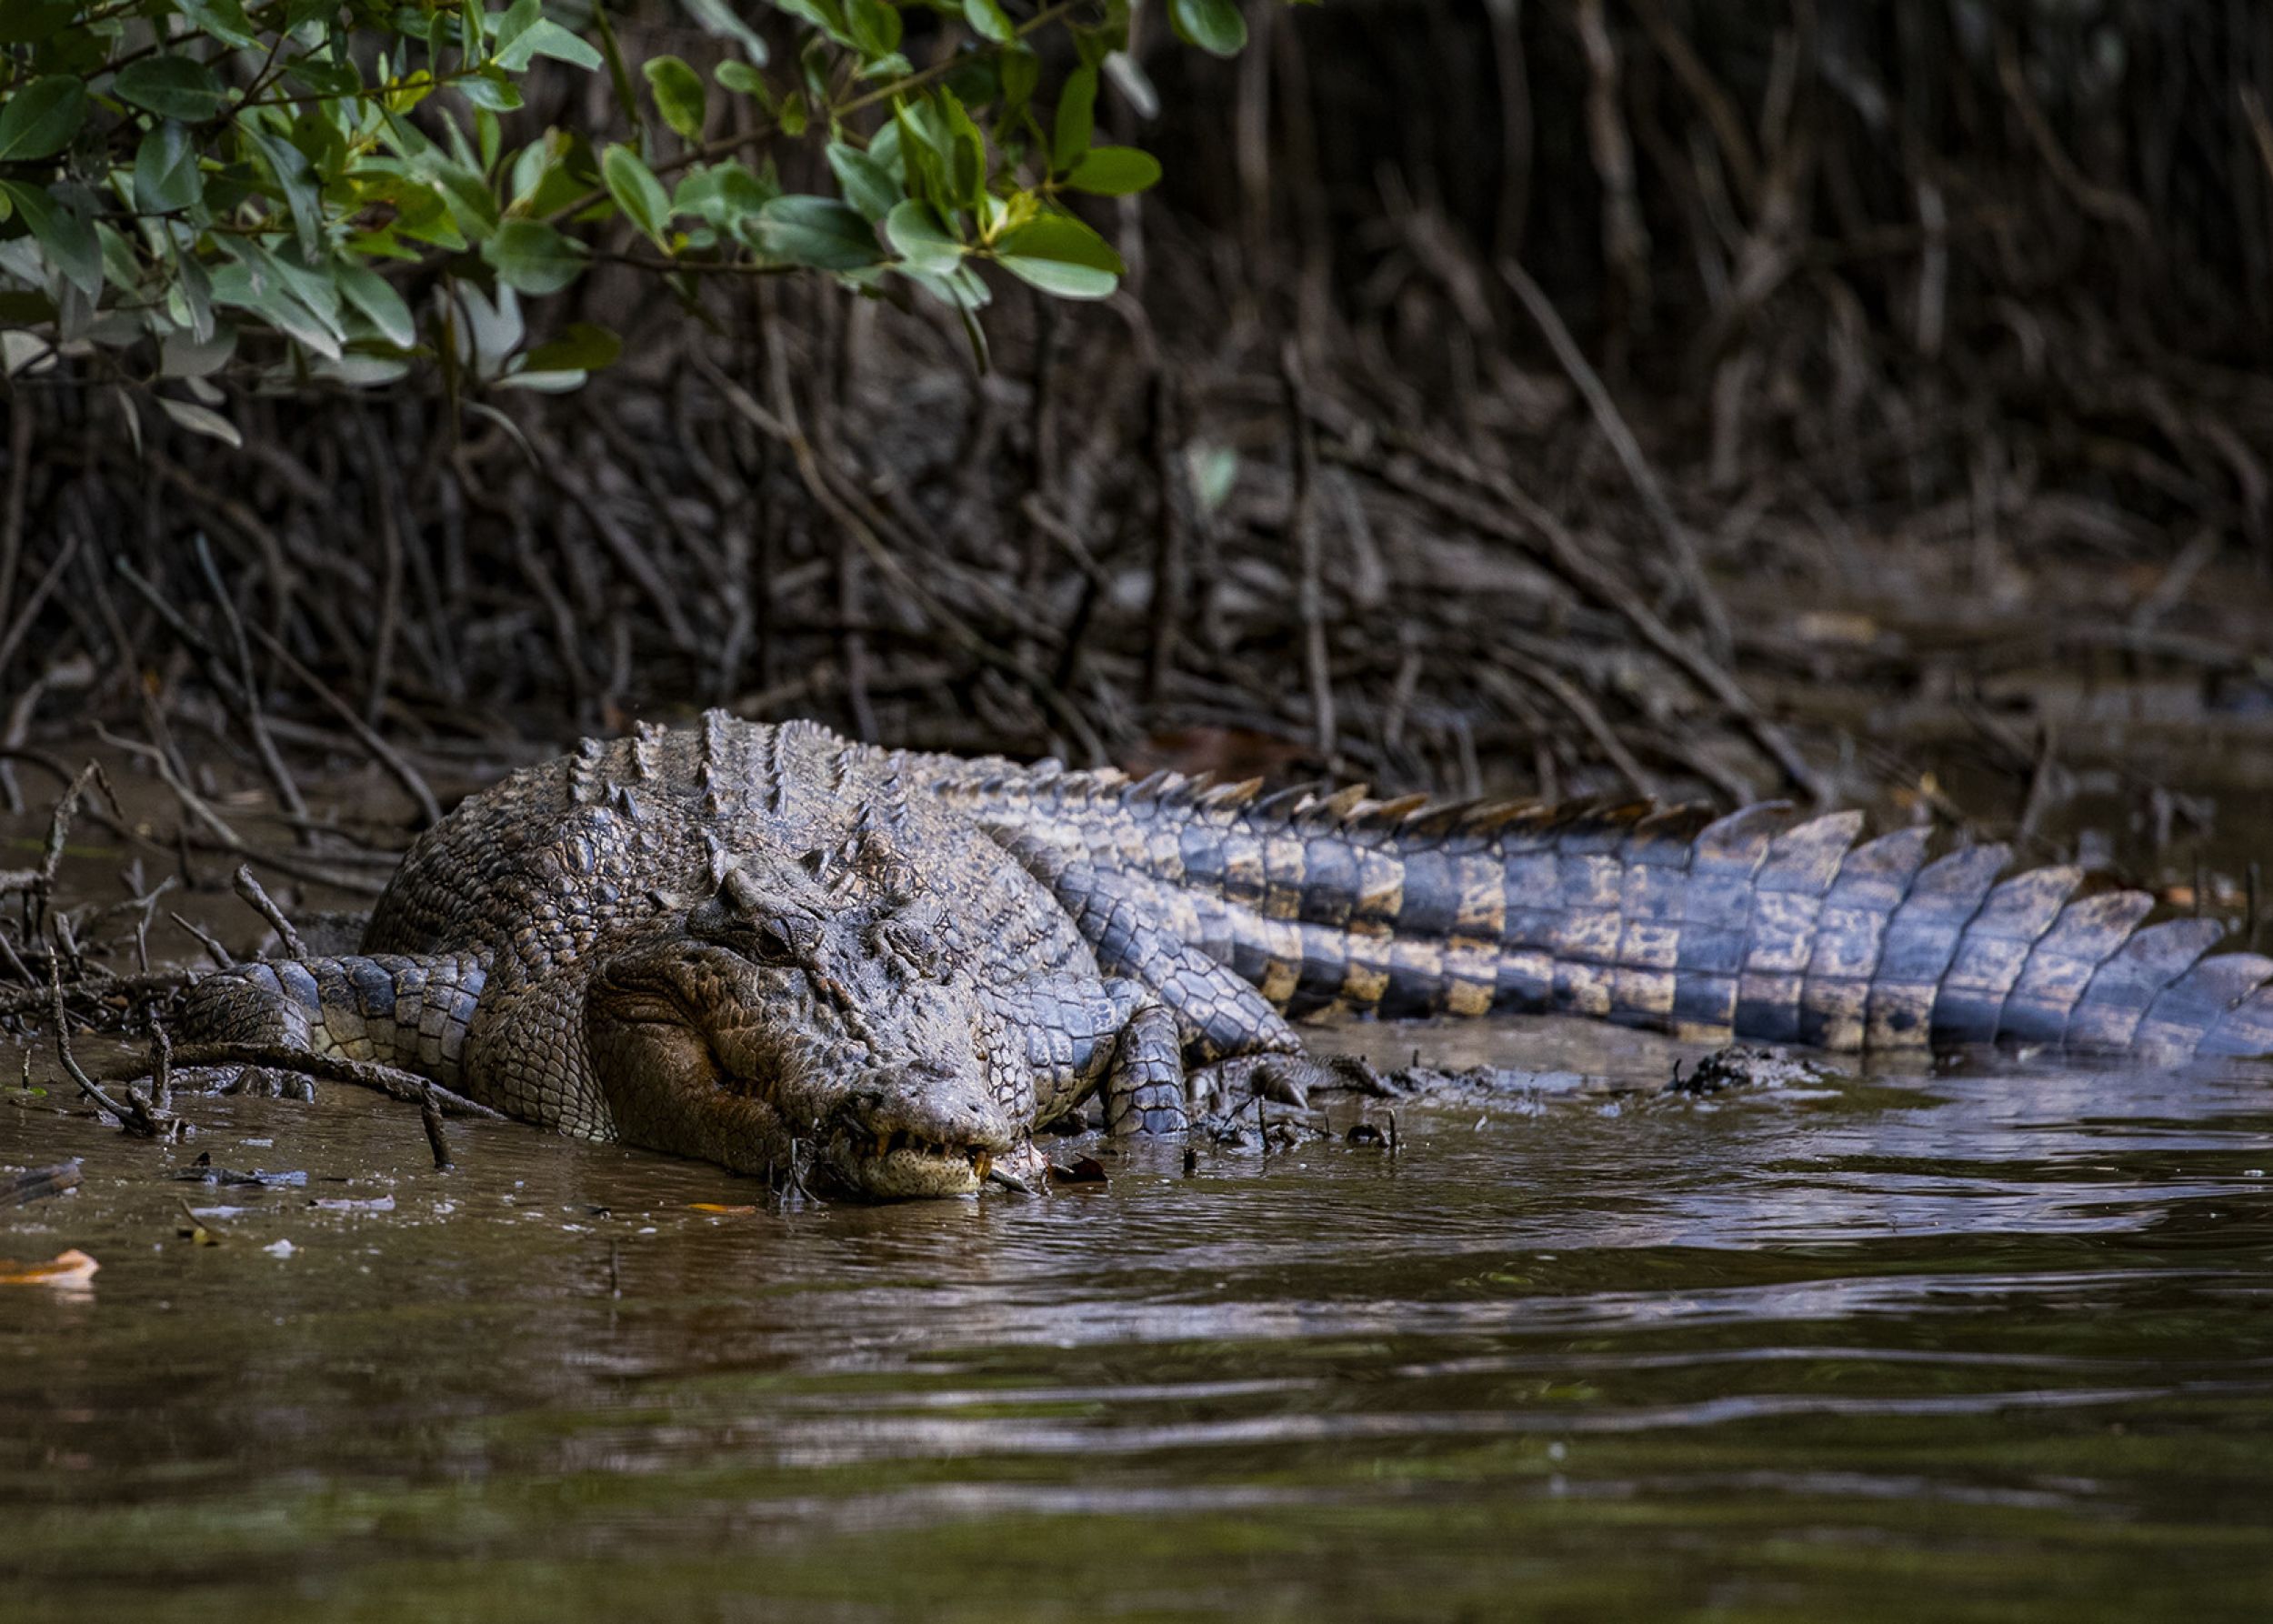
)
(1343, 803)
(1667, 837)
(1741, 839)
(1151, 787)
(1281, 805)
(1232, 797)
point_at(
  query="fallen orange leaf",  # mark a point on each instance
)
(714, 1206)
(73, 1268)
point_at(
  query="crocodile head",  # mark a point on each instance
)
(786, 1028)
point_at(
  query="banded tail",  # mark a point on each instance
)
(411, 1011)
(1761, 924)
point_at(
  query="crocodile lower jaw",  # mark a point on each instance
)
(901, 1166)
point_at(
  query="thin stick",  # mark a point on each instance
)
(1613, 425)
(385, 754)
(19, 485)
(248, 693)
(1168, 544)
(430, 1114)
(265, 905)
(391, 1081)
(133, 1118)
(1302, 521)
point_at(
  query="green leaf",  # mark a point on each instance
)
(1114, 170)
(473, 206)
(120, 268)
(637, 193)
(544, 37)
(531, 256)
(827, 16)
(874, 26)
(988, 20)
(1020, 70)
(567, 178)
(1060, 255)
(224, 19)
(526, 171)
(966, 151)
(922, 240)
(678, 94)
(70, 241)
(583, 347)
(171, 87)
(314, 291)
(325, 77)
(541, 383)
(298, 182)
(1077, 119)
(717, 18)
(166, 176)
(868, 186)
(491, 135)
(722, 195)
(181, 355)
(373, 295)
(201, 420)
(1216, 27)
(40, 119)
(490, 90)
(519, 17)
(190, 300)
(741, 78)
(558, 43)
(819, 232)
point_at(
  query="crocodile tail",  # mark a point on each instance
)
(411, 1011)
(1761, 924)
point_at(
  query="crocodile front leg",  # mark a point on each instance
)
(1082, 1034)
(408, 1010)
(1218, 1013)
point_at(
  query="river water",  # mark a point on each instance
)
(1987, 1341)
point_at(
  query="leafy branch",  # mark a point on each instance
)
(302, 190)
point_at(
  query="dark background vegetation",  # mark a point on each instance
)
(1891, 382)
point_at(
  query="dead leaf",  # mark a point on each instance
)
(716, 1208)
(73, 1270)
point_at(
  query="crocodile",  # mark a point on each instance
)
(796, 955)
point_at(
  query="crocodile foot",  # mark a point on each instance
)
(1226, 1086)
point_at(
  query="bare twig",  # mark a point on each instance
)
(430, 1115)
(392, 1081)
(1679, 542)
(259, 900)
(133, 1117)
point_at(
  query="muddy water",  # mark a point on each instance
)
(1994, 1342)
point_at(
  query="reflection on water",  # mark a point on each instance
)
(1994, 1342)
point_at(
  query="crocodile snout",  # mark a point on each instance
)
(921, 1129)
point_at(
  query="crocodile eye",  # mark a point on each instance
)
(775, 941)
